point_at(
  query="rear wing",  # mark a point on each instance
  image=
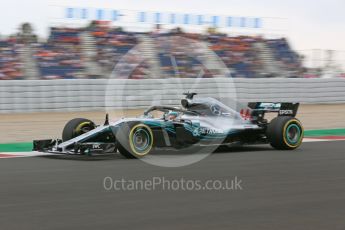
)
(282, 108)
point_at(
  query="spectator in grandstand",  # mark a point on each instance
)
(10, 64)
(61, 56)
(111, 43)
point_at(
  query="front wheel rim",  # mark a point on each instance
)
(141, 140)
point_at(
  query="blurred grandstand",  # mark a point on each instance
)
(93, 51)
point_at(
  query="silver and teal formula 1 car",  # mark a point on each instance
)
(197, 122)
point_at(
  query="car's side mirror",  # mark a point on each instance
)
(184, 103)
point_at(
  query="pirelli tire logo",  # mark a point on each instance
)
(286, 112)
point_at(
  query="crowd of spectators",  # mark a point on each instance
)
(112, 44)
(60, 56)
(180, 57)
(238, 53)
(178, 54)
(131, 66)
(10, 64)
(284, 54)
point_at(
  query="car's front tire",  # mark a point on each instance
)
(285, 133)
(77, 127)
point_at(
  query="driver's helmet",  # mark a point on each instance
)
(172, 115)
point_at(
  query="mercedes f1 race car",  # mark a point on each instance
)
(197, 122)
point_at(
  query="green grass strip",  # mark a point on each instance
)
(16, 147)
(324, 132)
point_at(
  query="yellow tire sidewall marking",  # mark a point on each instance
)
(131, 138)
(301, 135)
(80, 126)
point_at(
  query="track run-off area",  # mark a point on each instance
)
(301, 189)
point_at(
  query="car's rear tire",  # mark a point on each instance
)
(77, 127)
(285, 133)
(134, 140)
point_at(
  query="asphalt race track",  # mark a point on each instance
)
(303, 189)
